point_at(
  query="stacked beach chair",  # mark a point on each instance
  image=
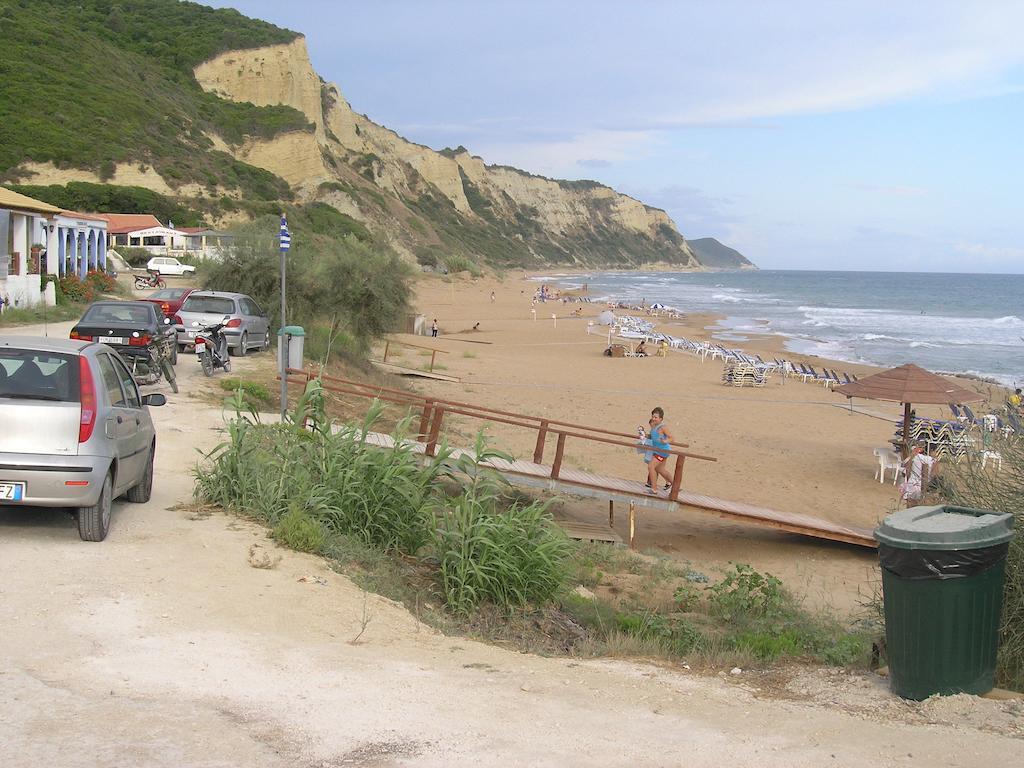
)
(743, 374)
(947, 439)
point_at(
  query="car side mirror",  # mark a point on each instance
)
(154, 399)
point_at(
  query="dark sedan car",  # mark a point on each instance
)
(138, 331)
(169, 299)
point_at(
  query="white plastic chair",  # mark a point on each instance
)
(994, 456)
(888, 459)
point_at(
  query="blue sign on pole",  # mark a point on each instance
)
(286, 238)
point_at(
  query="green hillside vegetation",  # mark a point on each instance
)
(718, 256)
(94, 83)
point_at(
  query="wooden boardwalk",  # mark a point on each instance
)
(579, 483)
(399, 370)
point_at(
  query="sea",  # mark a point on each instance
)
(953, 323)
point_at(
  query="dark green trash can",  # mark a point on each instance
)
(942, 582)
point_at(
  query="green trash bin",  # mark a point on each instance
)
(942, 584)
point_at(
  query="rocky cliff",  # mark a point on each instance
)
(429, 202)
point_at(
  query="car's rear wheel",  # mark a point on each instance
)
(266, 342)
(243, 344)
(94, 521)
(140, 493)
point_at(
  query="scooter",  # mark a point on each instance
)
(212, 347)
(150, 280)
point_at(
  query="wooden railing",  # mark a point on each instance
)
(433, 350)
(433, 411)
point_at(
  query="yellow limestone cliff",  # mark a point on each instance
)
(341, 142)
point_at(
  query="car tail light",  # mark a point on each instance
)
(178, 320)
(139, 341)
(87, 397)
(79, 337)
(235, 322)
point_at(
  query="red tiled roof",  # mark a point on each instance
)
(86, 216)
(192, 230)
(119, 223)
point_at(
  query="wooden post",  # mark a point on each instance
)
(435, 430)
(677, 478)
(425, 419)
(632, 525)
(542, 436)
(433, 354)
(386, 345)
(611, 513)
(559, 451)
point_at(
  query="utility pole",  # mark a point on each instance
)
(285, 243)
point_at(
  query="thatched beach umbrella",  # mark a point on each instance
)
(909, 384)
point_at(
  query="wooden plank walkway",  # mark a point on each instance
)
(589, 531)
(580, 483)
(400, 371)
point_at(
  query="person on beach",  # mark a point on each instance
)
(661, 444)
(920, 467)
(640, 351)
(645, 450)
(433, 329)
(1015, 399)
(492, 297)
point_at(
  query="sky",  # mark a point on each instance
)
(807, 135)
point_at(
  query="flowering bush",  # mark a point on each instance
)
(101, 281)
(76, 290)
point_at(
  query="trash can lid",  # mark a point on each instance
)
(945, 528)
(292, 330)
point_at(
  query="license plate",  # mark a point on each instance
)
(111, 339)
(12, 491)
(200, 348)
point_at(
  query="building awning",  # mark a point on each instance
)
(11, 199)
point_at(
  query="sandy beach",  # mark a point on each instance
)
(791, 446)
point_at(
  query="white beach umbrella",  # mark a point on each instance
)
(606, 318)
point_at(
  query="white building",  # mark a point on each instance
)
(28, 249)
(145, 231)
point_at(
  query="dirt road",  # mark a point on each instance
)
(163, 646)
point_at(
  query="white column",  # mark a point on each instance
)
(52, 248)
(19, 236)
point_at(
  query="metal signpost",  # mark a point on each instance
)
(286, 242)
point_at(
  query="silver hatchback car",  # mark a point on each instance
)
(247, 326)
(74, 430)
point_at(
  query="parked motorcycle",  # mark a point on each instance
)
(151, 279)
(212, 347)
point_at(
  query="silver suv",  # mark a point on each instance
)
(75, 430)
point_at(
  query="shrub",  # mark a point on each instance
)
(101, 282)
(253, 394)
(134, 257)
(744, 592)
(487, 553)
(458, 263)
(969, 485)
(300, 532)
(76, 290)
